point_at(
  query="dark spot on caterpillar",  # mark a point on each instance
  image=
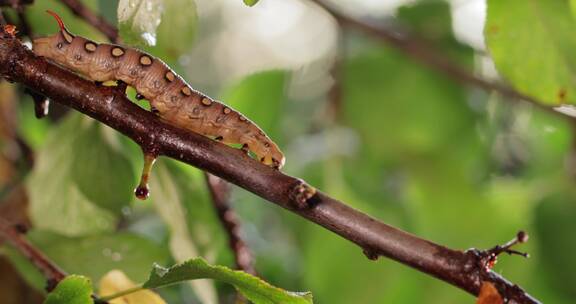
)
(206, 101)
(267, 144)
(169, 76)
(145, 60)
(154, 110)
(108, 65)
(156, 84)
(226, 110)
(219, 138)
(59, 45)
(262, 160)
(90, 46)
(134, 71)
(173, 98)
(139, 96)
(117, 51)
(78, 57)
(186, 91)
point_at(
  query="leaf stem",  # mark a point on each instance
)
(122, 293)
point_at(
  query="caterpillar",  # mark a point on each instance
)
(170, 97)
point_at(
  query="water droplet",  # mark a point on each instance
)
(142, 192)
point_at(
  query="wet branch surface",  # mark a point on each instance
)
(110, 106)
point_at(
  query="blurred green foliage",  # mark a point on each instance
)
(73, 290)
(407, 145)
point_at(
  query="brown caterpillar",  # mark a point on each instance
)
(170, 97)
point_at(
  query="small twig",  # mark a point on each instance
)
(121, 293)
(52, 272)
(97, 21)
(426, 54)
(15, 3)
(220, 193)
(335, 94)
(488, 258)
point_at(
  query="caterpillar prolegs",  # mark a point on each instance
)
(170, 97)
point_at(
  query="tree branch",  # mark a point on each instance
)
(220, 193)
(15, 3)
(97, 21)
(52, 272)
(426, 54)
(110, 106)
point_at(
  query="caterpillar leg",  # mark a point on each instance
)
(245, 148)
(142, 191)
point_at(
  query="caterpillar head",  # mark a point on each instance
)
(55, 46)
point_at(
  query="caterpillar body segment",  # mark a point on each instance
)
(170, 97)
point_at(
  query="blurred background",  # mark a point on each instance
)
(356, 117)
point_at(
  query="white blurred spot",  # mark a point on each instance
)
(566, 109)
(275, 34)
(468, 17)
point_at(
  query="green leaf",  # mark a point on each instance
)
(138, 20)
(261, 98)
(101, 171)
(253, 288)
(95, 255)
(181, 15)
(91, 256)
(420, 110)
(250, 2)
(533, 44)
(73, 289)
(169, 203)
(56, 202)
